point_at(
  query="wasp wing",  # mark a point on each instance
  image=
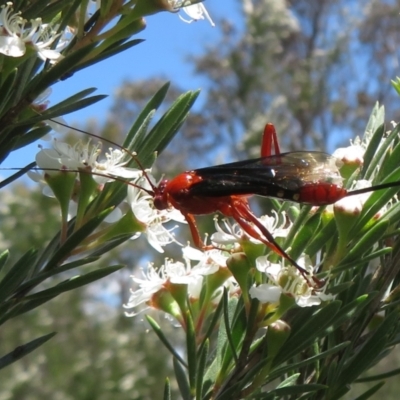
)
(280, 176)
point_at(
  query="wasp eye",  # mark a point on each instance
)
(160, 203)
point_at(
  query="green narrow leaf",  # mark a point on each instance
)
(109, 245)
(393, 214)
(222, 340)
(110, 52)
(321, 238)
(390, 163)
(48, 77)
(7, 89)
(215, 319)
(181, 379)
(24, 349)
(17, 274)
(373, 155)
(157, 329)
(231, 335)
(289, 381)
(47, 274)
(139, 138)
(3, 258)
(203, 355)
(368, 353)
(33, 301)
(152, 105)
(279, 372)
(227, 314)
(304, 235)
(366, 243)
(32, 136)
(23, 307)
(230, 392)
(376, 118)
(25, 73)
(302, 336)
(59, 110)
(52, 247)
(15, 176)
(167, 390)
(191, 352)
(370, 392)
(376, 201)
(70, 100)
(379, 377)
(351, 310)
(75, 282)
(46, 11)
(376, 254)
(295, 390)
(76, 239)
(165, 129)
(298, 221)
(376, 150)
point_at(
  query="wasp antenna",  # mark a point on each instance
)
(115, 178)
(382, 186)
(133, 155)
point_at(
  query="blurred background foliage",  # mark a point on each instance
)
(314, 68)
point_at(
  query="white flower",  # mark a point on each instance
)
(64, 156)
(43, 39)
(277, 225)
(12, 32)
(15, 34)
(155, 280)
(266, 293)
(196, 12)
(181, 273)
(84, 156)
(231, 234)
(142, 206)
(209, 261)
(290, 281)
(114, 166)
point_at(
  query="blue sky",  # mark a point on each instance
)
(168, 43)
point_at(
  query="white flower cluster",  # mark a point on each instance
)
(16, 33)
(84, 158)
(155, 279)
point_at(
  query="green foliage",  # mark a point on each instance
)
(309, 352)
(25, 77)
(327, 327)
(46, 262)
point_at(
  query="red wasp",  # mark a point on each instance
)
(307, 177)
(304, 177)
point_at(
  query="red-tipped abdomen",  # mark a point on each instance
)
(321, 194)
